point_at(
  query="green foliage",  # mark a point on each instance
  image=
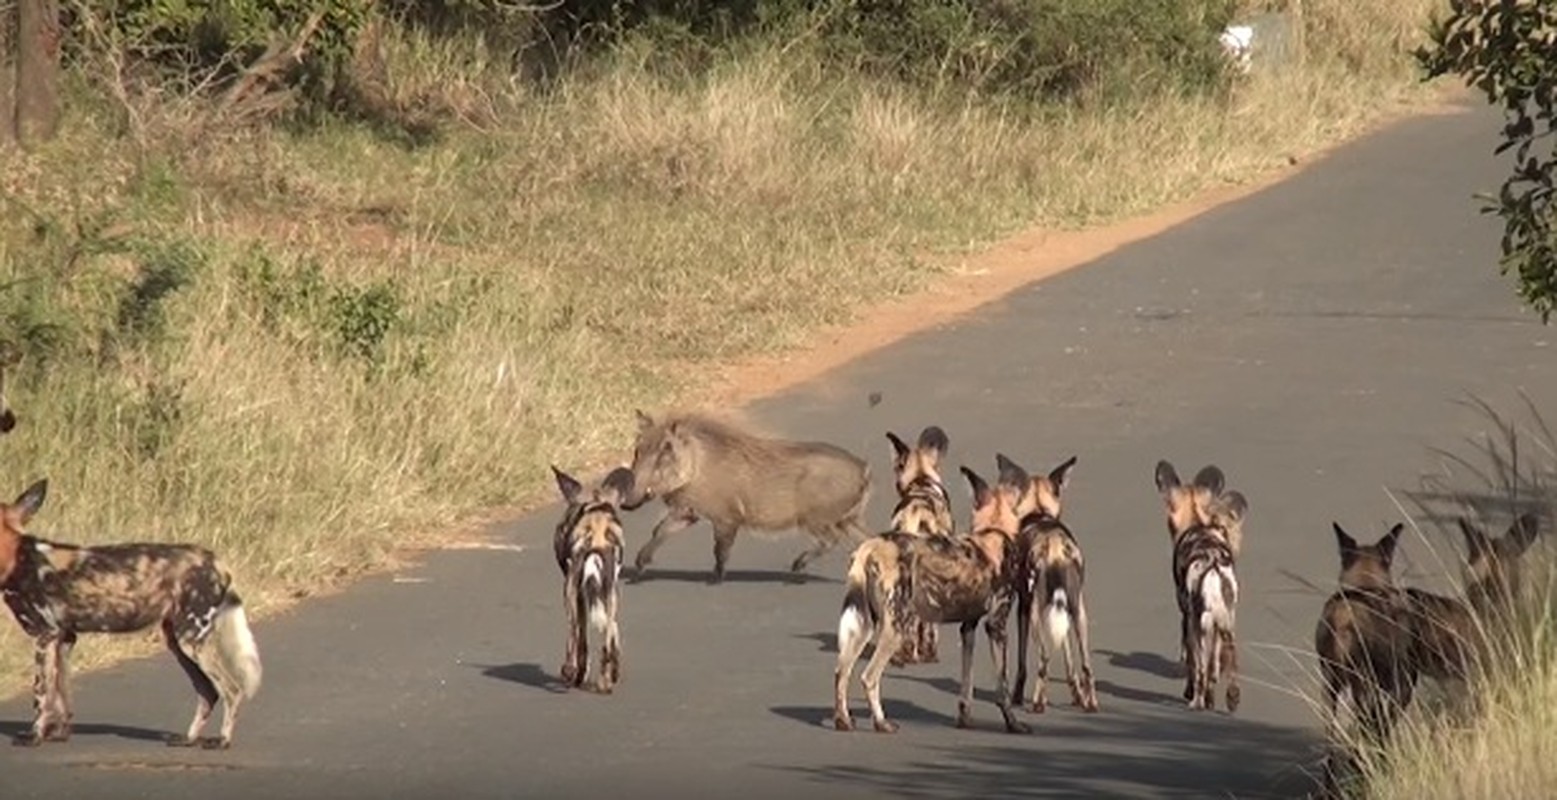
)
(299, 305)
(1051, 50)
(1508, 50)
(183, 37)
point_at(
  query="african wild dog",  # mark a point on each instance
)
(1205, 523)
(704, 467)
(1050, 577)
(58, 591)
(1198, 514)
(1363, 640)
(588, 545)
(923, 508)
(1449, 635)
(895, 577)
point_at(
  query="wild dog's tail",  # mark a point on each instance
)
(1218, 597)
(600, 567)
(863, 593)
(1056, 617)
(235, 655)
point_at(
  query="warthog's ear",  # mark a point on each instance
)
(934, 440)
(1210, 477)
(1343, 540)
(645, 421)
(569, 487)
(1167, 477)
(1390, 541)
(982, 496)
(899, 449)
(29, 501)
(1236, 505)
(618, 484)
(1476, 542)
(1522, 533)
(1060, 475)
(1012, 474)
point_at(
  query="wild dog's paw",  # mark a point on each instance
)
(180, 740)
(215, 743)
(28, 739)
(1233, 696)
(843, 723)
(885, 726)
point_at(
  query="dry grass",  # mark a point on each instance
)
(557, 260)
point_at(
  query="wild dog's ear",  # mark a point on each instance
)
(1060, 475)
(1236, 505)
(617, 486)
(982, 496)
(899, 449)
(934, 440)
(1210, 477)
(1343, 540)
(1167, 477)
(645, 421)
(569, 487)
(1522, 533)
(1390, 541)
(29, 501)
(1011, 473)
(1476, 541)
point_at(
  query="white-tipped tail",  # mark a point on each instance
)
(594, 583)
(235, 647)
(1215, 591)
(1056, 618)
(851, 627)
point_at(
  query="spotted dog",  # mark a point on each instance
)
(59, 591)
(588, 545)
(923, 509)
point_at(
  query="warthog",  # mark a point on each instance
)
(707, 468)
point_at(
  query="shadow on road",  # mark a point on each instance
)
(653, 574)
(1149, 663)
(897, 710)
(1171, 754)
(532, 675)
(828, 642)
(10, 728)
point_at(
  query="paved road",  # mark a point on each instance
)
(1310, 339)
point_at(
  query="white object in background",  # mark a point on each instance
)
(1238, 42)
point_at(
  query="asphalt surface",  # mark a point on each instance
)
(1312, 340)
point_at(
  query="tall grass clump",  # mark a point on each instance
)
(309, 322)
(1496, 736)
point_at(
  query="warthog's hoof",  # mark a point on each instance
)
(964, 720)
(885, 726)
(28, 739)
(842, 723)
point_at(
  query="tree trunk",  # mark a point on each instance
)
(7, 73)
(37, 70)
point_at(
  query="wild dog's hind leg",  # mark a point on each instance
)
(570, 668)
(204, 687)
(888, 638)
(1230, 666)
(854, 632)
(1088, 690)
